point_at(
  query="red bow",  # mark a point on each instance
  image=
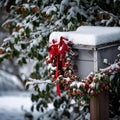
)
(57, 52)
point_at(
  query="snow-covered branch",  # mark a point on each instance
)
(34, 82)
(112, 68)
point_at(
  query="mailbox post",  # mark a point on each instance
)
(93, 45)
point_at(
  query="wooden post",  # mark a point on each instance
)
(99, 107)
(94, 108)
(104, 105)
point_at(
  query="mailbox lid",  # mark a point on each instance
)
(90, 35)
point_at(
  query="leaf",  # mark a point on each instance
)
(11, 45)
(56, 104)
(27, 86)
(35, 23)
(33, 75)
(66, 113)
(47, 88)
(73, 20)
(39, 57)
(32, 108)
(45, 104)
(24, 60)
(37, 66)
(41, 94)
(42, 110)
(27, 30)
(65, 22)
(23, 46)
(1, 59)
(34, 98)
(38, 106)
(16, 52)
(16, 40)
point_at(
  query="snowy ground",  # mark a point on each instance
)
(11, 105)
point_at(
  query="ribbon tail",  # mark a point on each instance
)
(57, 85)
(63, 62)
(58, 90)
(57, 67)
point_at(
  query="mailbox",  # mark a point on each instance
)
(93, 45)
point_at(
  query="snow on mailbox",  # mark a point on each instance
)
(94, 46)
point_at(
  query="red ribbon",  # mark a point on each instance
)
(57, 51)
(53, 50)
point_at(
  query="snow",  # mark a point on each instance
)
(49, 9)
(87, 116)
(105, 61)
(26, 6)
(64, 3)
(17, 1)
(15, 34)
(19, 24)
(16, 105)
(29, 25)
(27, 69)
(17, 47)
(35, 42)
(112, 67)
(8, 39)
(6, 2)
(11, 105)
(41, 84)
(14, 102)
(89, 35)
(9, 82)
(3, 35)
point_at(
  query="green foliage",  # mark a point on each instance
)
(30, 24)
(27, 31)
(114, 95)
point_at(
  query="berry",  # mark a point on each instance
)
(87, 81)
(1, 51)
(82, 85)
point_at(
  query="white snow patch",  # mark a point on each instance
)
(49, 9)
(29, 25)
(9, 82)
(11, 105)
(89, 35)
(3, 35)
(87, 117)
(27, 69)
(15, 34)
(8, 39)
(17, 1)
(26, 6)
(15, 102)
(75, 83)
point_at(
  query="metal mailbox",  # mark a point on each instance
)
(93, 45)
